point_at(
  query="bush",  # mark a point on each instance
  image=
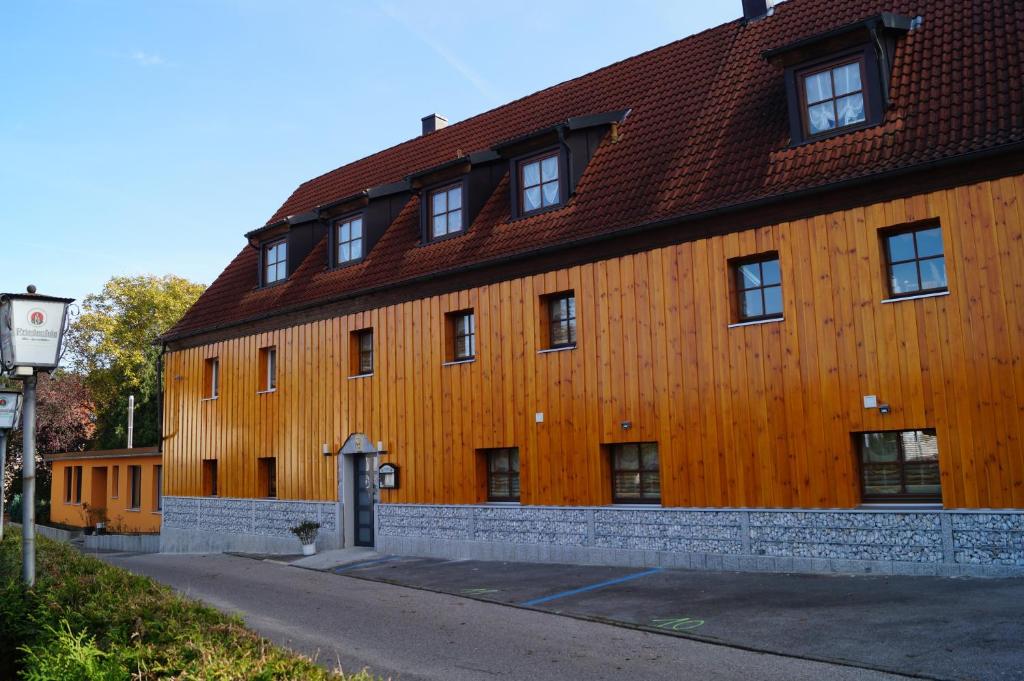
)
(88, 620)
(70, 657)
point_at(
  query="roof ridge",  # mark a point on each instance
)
(507, 104)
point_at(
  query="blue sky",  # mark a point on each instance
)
(147, 137)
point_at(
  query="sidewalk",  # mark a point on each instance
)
(939, 628)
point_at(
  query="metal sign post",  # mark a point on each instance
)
(31, 337)
(28, 484)
(3, 467)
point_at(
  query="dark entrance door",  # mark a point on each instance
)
(364, 503)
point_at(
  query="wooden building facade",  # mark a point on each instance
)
(755, 415)
(600, 321)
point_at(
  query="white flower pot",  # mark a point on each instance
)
(308, 549)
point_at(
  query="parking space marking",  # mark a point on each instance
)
(676, 623)
(479, 592)
(592, 587)
(362, 564)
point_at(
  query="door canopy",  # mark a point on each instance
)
(358, 443)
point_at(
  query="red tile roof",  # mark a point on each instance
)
(708, 129)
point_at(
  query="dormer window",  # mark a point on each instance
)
(348, 233)
(446, 211)
(833, 97)
(539, 185)
(275, 261)
(838, 81)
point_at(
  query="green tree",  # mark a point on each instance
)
(111, 344)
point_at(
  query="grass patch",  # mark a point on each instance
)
(86, 620)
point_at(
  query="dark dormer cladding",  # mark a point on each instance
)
(297, 233)
(838, 81)
(373, 210)
(472, 179)
(573, 143)
(376, 209)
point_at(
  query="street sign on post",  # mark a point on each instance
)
(31, 337)
(31, 330)
(10, 409)
(10, 412)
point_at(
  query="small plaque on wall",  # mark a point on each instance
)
(387, 476)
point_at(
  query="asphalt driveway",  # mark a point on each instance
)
(413, 634)
(938, 628)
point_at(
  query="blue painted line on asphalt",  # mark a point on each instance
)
(365, 563)
(592, 587)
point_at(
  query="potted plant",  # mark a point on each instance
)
(306, 531)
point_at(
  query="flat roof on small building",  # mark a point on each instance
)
(104, 454)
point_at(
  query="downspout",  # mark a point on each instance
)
(160, 398)
(567, 154)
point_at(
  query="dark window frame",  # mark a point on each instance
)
(211, 378)
(829, 66)
(455, 335)
(69, 484)
(134, 488)
(267, 472)
(520, 186)
(268, 369)
(210, 481)
(335, 239)
(428, 213)
(888, 233)
(739, 288)
(358, 353)
(79, 471)
(264, 248)
(511, 473)
(158, 488)
(902, 497)
(874, 106)
(613, 449)
(571, 320)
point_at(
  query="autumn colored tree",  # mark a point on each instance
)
(111, 344)
(64, 423)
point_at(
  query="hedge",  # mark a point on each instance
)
(86, 620)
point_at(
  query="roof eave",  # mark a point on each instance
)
(1007, 149)
(885, 20)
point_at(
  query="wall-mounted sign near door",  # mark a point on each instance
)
(387, 476)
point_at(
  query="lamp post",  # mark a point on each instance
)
(10, 412)
(31, 336)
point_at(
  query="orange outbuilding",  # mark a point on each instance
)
(125, 484)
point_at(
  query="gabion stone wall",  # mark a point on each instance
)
(217, 523)
(877, 541)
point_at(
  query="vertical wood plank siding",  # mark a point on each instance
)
(758, 415)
